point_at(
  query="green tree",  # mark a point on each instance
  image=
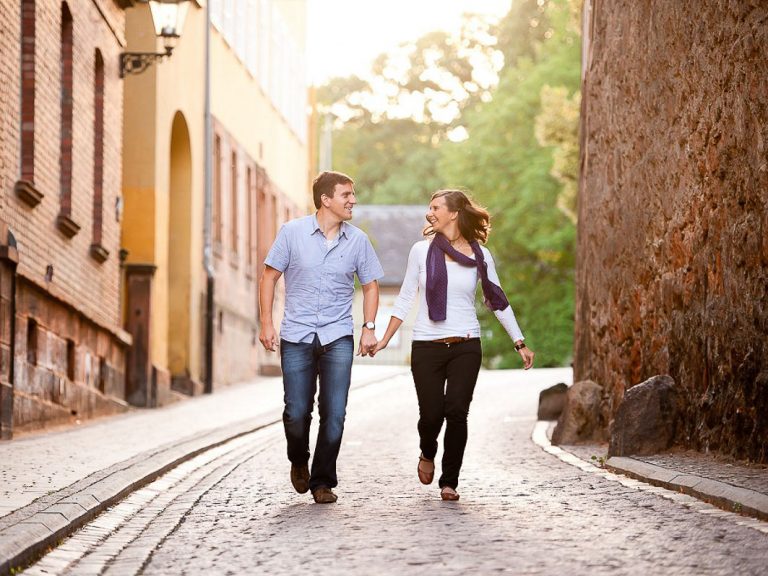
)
(391, 124)
(519, 156)
(557, 126)
(509, 172)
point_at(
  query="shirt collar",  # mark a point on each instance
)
(316, 226)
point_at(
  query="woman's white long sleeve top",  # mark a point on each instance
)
(460, 316)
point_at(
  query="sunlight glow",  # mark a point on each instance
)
(345, 36)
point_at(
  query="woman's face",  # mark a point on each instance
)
(439, 216)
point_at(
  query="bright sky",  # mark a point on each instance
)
(344, 36)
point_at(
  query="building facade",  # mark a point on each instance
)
(62, 348)
(258, 180)
(672, 270)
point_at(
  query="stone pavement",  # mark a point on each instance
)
(54, 483)
(730, 485)
(522, 510)
(51, 483)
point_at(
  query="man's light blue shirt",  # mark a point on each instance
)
(320, 280)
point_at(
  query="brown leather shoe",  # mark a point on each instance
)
(449, 494)
(424, 476)
(300, 478)
(324, 495)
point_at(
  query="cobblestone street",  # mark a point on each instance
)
(522, 510)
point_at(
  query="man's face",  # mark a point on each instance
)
(342, 202)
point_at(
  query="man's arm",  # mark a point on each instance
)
(267, 335)
(370, 307)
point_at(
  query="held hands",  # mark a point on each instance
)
(268, 338)
(526, 354)
(367, 343)
(379, 346)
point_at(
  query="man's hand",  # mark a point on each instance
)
(367, 343)
(268, 338)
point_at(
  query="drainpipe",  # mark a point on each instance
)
(207, 213)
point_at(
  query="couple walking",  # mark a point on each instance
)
(320, 255)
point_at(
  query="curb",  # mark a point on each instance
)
(737, 500)
(28, 532)
(723, 495)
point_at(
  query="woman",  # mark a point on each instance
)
(446, 353)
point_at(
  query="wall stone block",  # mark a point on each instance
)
(672, 265)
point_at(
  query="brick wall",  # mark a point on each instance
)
(10, 15)
(65, 291)
(83, 281)
(672, 270)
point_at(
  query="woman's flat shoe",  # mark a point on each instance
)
(425, 477)
(449, 494)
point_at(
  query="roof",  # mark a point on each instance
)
(392, 231)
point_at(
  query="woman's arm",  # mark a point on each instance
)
(409, 287)
(507, 319)
(392, 327)
(405, 298)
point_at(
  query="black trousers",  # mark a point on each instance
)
(445, 376)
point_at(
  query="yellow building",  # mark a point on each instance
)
(258, 172)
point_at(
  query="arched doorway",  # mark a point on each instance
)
(179, 255)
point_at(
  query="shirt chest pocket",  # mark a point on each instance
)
(341, 271)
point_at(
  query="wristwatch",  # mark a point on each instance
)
(369, 325)
(520, 346)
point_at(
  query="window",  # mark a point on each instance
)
(249, 199)
(28, 90)
(233, 207)
(217, 236)
(252, 38)
(216, 8)
(97, 251)
(264, 44)
(71, 360)
(263, 240)
(229, 20)
(67, 85)
(103, 370)
(32, 341)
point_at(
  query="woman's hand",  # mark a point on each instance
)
(527, 355)
(380, 345)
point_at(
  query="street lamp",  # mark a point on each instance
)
(168, 19)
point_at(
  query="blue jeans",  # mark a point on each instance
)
(302, 364)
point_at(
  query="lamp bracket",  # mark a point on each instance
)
(137, 62)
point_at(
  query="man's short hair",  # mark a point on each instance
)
(325, 183)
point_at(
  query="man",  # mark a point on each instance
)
(319, 255)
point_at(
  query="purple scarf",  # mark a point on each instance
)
(437, 277)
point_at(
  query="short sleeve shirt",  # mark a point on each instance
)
(320, 278)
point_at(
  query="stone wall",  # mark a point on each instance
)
(672, 271)
(67, 368)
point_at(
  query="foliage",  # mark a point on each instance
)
(430, 80)
(508, 171)
(390, 124)
(392, 162)
(395, 134)
(557, 125)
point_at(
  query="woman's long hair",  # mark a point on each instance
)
(474, 220)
